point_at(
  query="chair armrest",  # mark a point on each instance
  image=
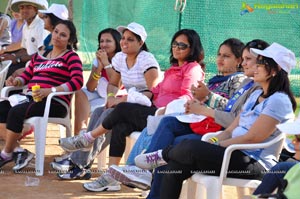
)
(207, 136)
(5, 90)
(231, 148)
(158, 111)
(49, 98)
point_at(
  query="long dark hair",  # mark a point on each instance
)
(279, 81)
(116, 36)
(73, 37)
(196, 53)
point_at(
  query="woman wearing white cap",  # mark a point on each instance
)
(134, 67)
(263, 110)
(51, 16)
(185, 70)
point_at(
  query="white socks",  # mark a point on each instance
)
(89, 136)
(6, 155)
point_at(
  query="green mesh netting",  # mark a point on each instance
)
(215, 21)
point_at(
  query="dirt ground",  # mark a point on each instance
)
(12, 186)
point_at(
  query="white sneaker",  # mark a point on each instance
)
(150, 160)
(104, 183)
(131, 176)
(75, 143)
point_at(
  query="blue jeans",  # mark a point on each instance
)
(168, 129)
(272, 179)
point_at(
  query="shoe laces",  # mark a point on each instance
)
(102, 180)
(20, 156)
(79, 141)
(153, 158)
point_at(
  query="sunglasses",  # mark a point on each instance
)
(254, 44)
(180, 45)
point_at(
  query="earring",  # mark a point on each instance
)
(273, 74)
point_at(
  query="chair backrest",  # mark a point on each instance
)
(4, 66)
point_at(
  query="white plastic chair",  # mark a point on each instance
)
(213, 184)
(40, 127)
(4, 66)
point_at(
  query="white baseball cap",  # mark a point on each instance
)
(284, 57)
(59, 10)
(290, 128)
(135, 28)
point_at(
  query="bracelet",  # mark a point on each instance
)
(214, 140)
(95, 76)
(19, 82)
(110, 95)
(108, 66)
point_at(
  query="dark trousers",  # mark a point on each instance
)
(15, 116)
(192, 156)
(123, 120)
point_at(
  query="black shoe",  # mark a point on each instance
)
(22, 159)
(76, 174)
(4, 161)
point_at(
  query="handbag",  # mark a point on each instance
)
(205, 126)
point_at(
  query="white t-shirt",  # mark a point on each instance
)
(134, 77)
(33, 35)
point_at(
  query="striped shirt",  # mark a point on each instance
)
(65, 71)
(135, 76)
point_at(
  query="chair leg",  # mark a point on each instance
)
(40, 143)
(101, 160)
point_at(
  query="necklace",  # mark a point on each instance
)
(51, 56)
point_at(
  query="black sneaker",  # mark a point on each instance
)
(4, 161)
(64, 165)
(76, 174)
(22, 159)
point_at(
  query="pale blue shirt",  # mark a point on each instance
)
(277, 106)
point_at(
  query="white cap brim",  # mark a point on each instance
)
(289, 128)
(257, 52)
(292, 128)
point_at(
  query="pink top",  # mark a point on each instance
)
(177, 83)
(65, 71)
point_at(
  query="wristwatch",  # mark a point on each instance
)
(53, 89)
